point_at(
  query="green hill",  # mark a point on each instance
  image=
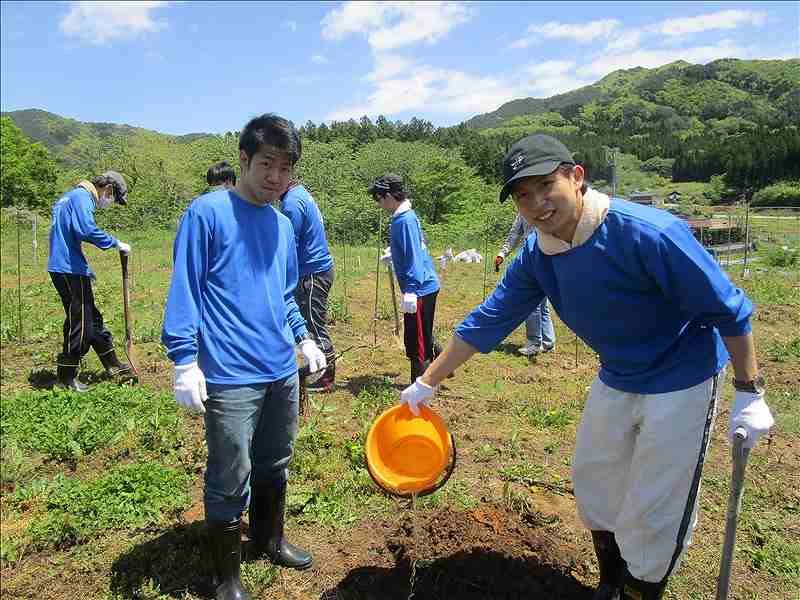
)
(760, 91)
(56, 133)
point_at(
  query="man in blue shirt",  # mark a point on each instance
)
(72, 224)
(414, 269)
(636, 286)
(220, 176)
(315, 265)
(230, 326)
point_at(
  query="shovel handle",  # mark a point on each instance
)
(740, 454)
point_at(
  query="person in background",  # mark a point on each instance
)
(414, 269)
(538, 326)
(315, 265)
(231, 326)
(72, 224)
(220, 176)
(664, 319)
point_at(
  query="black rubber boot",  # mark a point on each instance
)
(67, 378)
(610, 564)
(267, 512)
(418, 367)
(226, 553)
(115, 368)
(325, 383)
(636, 589)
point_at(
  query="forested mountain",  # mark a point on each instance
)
(732, 124)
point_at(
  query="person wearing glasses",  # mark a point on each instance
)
(414, 269)
(634, 284)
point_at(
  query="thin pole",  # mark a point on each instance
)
(344, 268)
(485, 257)
(19, 283)
(576, 350)
(746, 271)
(35, 238)
(377, 281)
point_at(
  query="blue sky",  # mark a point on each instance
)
(181, 67)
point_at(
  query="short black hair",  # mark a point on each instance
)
(270, 130)
(220, 173)
(101, 181)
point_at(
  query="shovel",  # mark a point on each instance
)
(397, 341)
(740, 455)
(123, 259)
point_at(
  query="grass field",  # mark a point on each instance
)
(101, 494)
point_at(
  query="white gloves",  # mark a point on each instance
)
(190, 387)
(751, 412)
(314, 356)
(409, 303)
(123, 247)
(415, 394)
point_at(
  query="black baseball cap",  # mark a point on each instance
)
(388, 183)
(531, 156)
(120, 187)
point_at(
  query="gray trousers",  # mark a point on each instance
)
(311, 296)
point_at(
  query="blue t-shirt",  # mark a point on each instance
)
(410, 259)
(313, 255)
(231, 301)
(72, 223)
(641, 292)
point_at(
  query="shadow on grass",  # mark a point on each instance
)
(174, 561)
(509, 348)
(42, 379)
(376, 380)
(466, 575)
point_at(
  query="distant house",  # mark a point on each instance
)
(648, 198)
(674, 196)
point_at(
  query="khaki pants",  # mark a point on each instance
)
(636, 470)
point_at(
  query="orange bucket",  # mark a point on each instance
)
(410, 455)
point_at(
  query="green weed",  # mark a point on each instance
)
(786, 352)
(372, 400)
(64, 425)
(129, 496)
(544, 418)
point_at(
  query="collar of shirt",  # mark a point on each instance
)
(405, 206)
(595, 209)
(89, 187)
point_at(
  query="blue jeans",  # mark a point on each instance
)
(250, 433)
(539, 327)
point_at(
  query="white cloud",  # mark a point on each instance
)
(100, 23)
(625, 40)
(581, 33)
(724, 19)
(389, 25)
(400, 85)
(319, 59)
(606, 63)
(552, 77)
(291, 25)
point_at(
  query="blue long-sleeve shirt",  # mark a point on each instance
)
(410, 259)
(313, 254)
(231, 300)
(71, 224)
(641, 292)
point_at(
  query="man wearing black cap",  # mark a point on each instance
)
(73, 223)
(414, 269)
(637, 287)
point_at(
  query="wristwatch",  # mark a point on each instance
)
(754, 386)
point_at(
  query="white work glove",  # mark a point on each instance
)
(190, 387)
(314, 356)
(415, 394)
(409, 304)
(751, 412)
(123, 247)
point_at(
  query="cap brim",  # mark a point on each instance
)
(544, 168)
